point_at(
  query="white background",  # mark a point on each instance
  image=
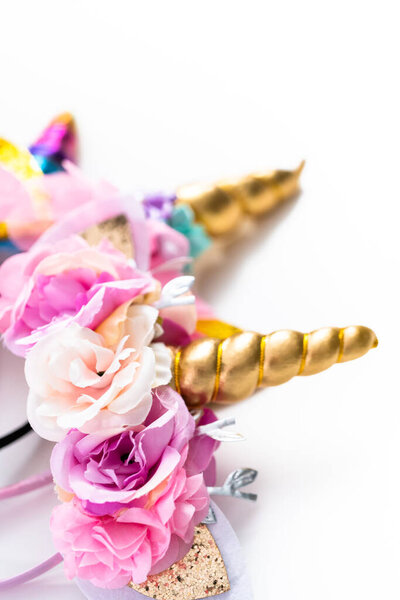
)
(177, 91)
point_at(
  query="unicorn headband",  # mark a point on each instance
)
(126, 333)
(153, 460)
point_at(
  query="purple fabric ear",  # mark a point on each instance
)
(231, 552)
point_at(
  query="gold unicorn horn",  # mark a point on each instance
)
(228, 370)
(221, 207)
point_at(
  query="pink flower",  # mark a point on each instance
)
(150, 477)
(67, 280)
(169, 250)
(78, 203)
(70, 189)
(53, 207)
(201, 457)
(108, 551)
(182, 506)
(111, 551)
(25, 221)
(77, 381)
(108, 471)
(112, 469)
(15, 202)
(31, 206)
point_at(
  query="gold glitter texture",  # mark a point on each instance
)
(116, 230)
(200, 574)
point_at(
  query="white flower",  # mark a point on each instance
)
(91, 381)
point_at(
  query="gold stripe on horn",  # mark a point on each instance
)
(229, 370)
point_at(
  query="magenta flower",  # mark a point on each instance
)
(62, 282)
(137, 495)
(108, 551)
(108, 471)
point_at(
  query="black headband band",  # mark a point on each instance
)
(15, 435)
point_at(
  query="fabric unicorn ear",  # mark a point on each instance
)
(213, 567)
(57, 142)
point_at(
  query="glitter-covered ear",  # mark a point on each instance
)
(201, 573)
(213, 566)
(117, 230)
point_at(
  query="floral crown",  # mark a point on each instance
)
(122, 360)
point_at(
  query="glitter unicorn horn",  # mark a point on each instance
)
(228, 370)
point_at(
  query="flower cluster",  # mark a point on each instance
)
(129, 465)
(68, 280)
(134, 495)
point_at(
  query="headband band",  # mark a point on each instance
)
(26, 485)
(15, 435)
(47, 565)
